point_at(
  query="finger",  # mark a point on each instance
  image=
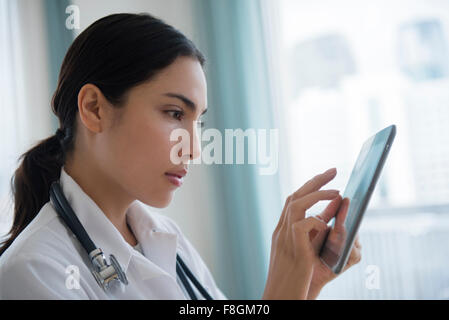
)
(283, 214)
(357, 244)
(341, 216)
(300, 233)
(312, 185)
(331, 209)
(315, 183)
(297, 208)
(313, 233)
(355, 257)
(318, 240)
(305, 226)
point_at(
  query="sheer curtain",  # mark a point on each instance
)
(24, 90)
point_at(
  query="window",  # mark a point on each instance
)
(349, 69)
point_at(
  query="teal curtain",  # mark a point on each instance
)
(230, 34)
(59, 39)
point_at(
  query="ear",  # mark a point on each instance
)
(92, 107)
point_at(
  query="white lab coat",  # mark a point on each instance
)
(46, 258)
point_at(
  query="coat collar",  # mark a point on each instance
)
(158, 244)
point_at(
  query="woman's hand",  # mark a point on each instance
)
(293, 255)
(321, 273)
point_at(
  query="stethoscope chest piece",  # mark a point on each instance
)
(106, 274)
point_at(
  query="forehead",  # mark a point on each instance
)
(184, 76)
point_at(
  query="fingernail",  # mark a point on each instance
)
(331, 172)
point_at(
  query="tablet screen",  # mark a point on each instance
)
(361, 183)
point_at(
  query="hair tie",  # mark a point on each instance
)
(62, 135)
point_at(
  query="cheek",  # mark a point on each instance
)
(145, 149)
(149, 159)
(143, 157)
(136, 155)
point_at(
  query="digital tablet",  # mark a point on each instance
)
(336, 250)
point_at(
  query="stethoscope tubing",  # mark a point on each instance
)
(66, 212)
(185, 282)
(193, 279)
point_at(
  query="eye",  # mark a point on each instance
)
(176, 114)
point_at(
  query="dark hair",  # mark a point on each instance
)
(115, 53)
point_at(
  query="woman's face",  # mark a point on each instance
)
(135, 150)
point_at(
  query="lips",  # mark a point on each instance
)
(176, 177)
(179, 173)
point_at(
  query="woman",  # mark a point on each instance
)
(125, 84)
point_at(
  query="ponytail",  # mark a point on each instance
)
(30, 184)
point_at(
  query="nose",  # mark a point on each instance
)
(194, 146)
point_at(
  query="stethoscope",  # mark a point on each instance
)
(104, 273)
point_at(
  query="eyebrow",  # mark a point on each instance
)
(189, 103)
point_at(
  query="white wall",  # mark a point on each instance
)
(192, 207)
